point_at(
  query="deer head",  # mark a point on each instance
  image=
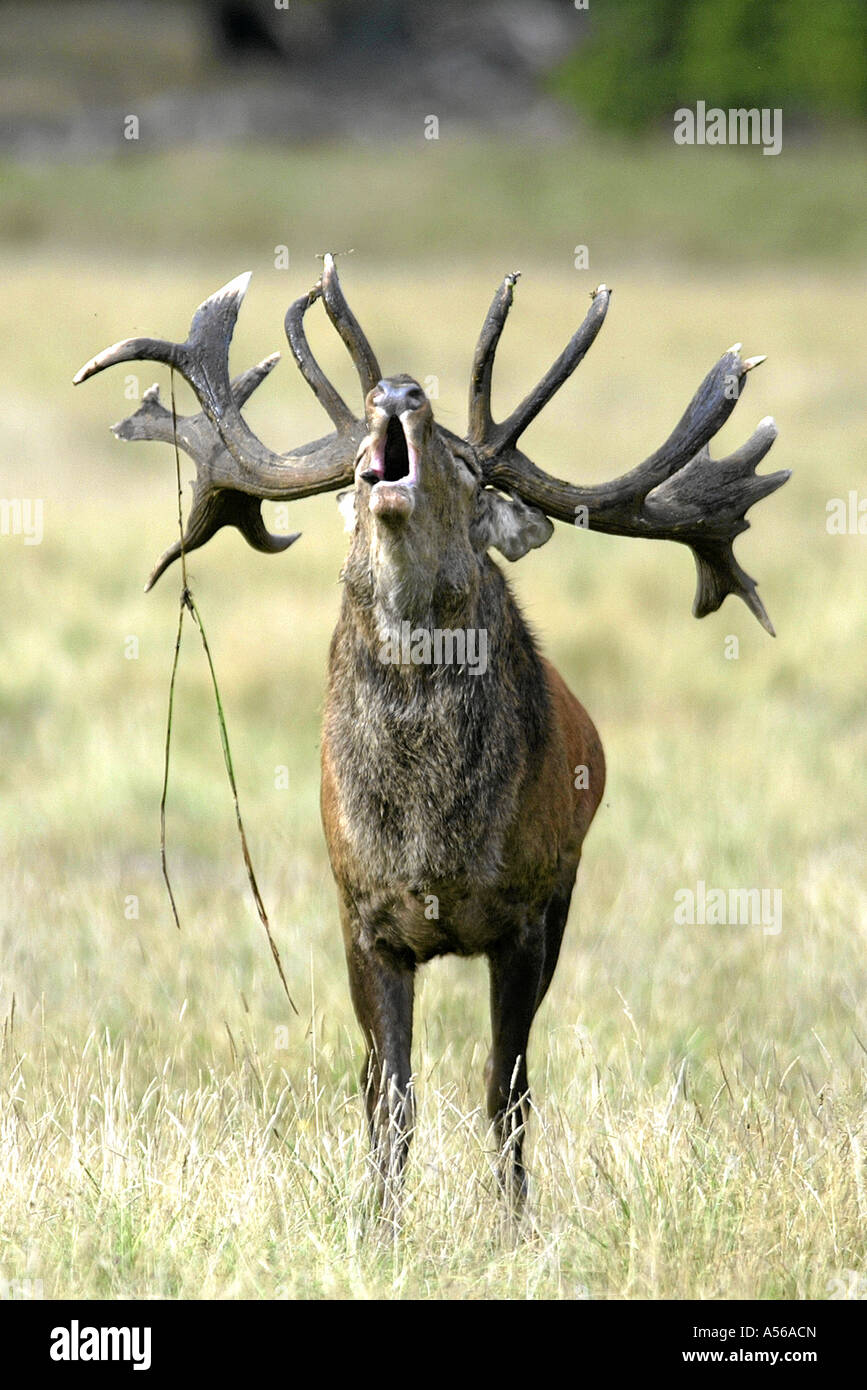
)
(426, 503)
(421, 516)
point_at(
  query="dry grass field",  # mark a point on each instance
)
(168, 1128)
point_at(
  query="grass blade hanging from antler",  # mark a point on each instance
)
(188, 602)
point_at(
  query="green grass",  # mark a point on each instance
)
(168, 1128)
(457, 199)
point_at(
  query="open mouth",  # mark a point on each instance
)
(393, 459)
(396, 454)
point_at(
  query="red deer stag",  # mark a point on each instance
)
(448, 783)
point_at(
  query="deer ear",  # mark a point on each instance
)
(346, 507)
(509, 524)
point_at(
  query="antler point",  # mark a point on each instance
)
(764, 619)
(237, 286)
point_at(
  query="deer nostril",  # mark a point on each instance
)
(394, 397)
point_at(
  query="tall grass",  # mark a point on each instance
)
(168, 1128)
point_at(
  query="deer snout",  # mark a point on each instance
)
(395, 395)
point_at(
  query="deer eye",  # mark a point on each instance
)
(467, 474)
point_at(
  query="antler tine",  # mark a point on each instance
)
(207, 344)
(705, 415)
(720, 492)
(152, 421)
(706, 487)
(211, 508)
(246, 463)
(329, 398)
(506, 434)
(235, 470)
(619, 501)
(480, 422)
(209, 513)
(203, 360)
(679, 493)
(348, 327)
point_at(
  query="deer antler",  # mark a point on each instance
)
(348, 327)
(212, 508)
(235, 470)
(679, 493)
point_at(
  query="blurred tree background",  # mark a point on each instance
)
(808, 58)
(641, 60)
(554, 125)
(623, 64)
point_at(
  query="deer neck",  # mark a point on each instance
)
(400, 582)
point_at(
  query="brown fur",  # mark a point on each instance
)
(449, 802)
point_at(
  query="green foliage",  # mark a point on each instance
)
(641, 62)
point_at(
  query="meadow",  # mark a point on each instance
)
(168, 1127)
